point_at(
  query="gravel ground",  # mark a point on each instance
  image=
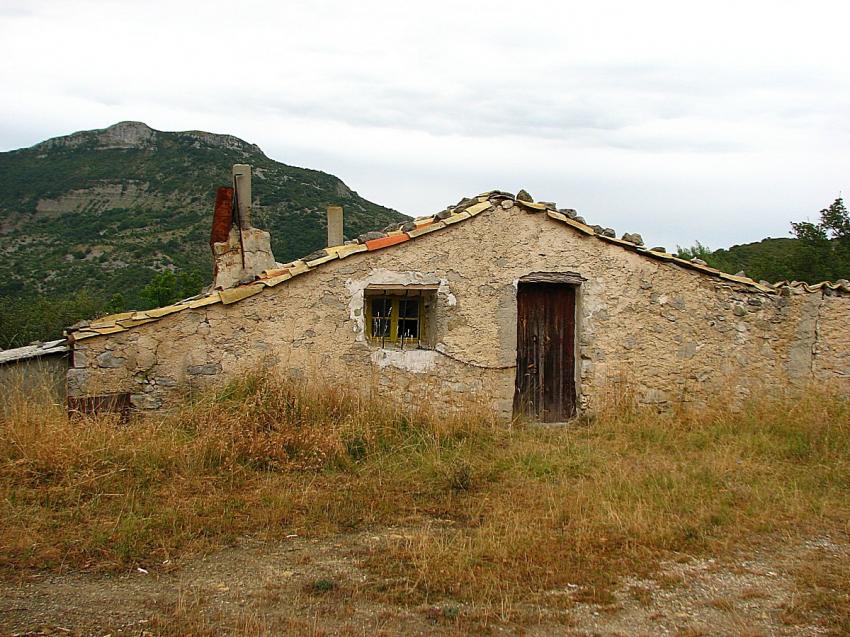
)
(316, 587)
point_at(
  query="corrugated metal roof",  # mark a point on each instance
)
(34, 350)
(370, 242)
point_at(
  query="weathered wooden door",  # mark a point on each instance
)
(545, 373)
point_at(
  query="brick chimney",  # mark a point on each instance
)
(240, 251)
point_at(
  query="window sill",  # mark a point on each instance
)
(396, 347)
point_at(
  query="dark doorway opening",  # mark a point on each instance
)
(545, 374)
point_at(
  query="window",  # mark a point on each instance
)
(397, 316)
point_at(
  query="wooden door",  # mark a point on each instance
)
(545, 372)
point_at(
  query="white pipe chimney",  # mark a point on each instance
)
(335, 234)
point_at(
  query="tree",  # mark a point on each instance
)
(161, 290)
(165, 288)
(823, 250)
(24, 319)
(698, 251)
(116, 304)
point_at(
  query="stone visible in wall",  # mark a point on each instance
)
(678, 302)
(80, 358)
(146, 352)
(633, 237)
(76, 381)
(523, 195)
(108, 359)
(145, 401)
(208, 369)
(687, 350)
(655, 397)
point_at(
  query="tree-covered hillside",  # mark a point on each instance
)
(817, 252)
(90, 219)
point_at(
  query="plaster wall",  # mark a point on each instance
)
(671, 334)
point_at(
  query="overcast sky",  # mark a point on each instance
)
(718, 121)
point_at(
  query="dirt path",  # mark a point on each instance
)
(317, 587)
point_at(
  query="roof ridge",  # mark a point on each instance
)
(395, 234)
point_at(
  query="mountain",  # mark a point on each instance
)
(106, 210)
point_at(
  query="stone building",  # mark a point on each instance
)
(497, 299)
(37, 368)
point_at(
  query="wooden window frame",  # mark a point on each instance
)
(395, 296)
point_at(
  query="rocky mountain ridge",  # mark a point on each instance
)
(106, 210)
(138, 135)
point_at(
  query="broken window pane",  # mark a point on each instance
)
(382, 308)
(408, 318)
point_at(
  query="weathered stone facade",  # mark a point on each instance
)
(672, 333)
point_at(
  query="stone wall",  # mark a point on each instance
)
(670, 333)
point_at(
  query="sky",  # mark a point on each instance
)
(713, 121)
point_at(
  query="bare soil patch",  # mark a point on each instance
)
(302, 586)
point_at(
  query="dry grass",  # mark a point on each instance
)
(495, 516)
(262, 456)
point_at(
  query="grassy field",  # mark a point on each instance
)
(498, 516)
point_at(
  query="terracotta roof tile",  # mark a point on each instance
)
(479, 208)
(460, 216)
(531, 205)
(323, 259)
(385, 242)
(347, 251)
(426, 228)
(232, 295)
(271, 281)
(841, 285)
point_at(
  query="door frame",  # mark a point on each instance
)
(574, 280)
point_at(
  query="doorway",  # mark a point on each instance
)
(545, 374)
